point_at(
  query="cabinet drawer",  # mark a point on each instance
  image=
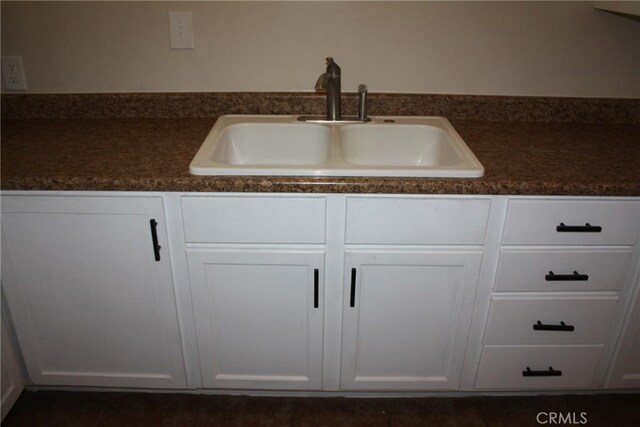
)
(417, 221)
(540, 222)
(512, 319)
(562, 270)
(231, 219)
(503, 367)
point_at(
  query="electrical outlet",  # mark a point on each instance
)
(13, 73)
(181, 30)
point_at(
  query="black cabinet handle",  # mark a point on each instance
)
(550, 373)
(352, 300)
(316, 287)
(587, 228)
(154, 238)
(575, 277)
(539, 326)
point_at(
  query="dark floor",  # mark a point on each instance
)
(55, 408)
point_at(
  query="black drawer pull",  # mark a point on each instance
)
(587, 228)
(316, 287)
(154, 239)
(539, 326)
(550, 373)
(575, 277)
(352, 299)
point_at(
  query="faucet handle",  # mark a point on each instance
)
(321, 83)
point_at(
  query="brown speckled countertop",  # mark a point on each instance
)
(153, 154)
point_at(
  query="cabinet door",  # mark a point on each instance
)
(258, 317)
(625, 371)
(91, 304)
(406, 319)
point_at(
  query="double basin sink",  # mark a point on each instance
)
(384, 146)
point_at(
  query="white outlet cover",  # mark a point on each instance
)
(13, 73)
(181, 30)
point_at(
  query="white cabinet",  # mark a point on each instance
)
(559, 292)
(322, 292)
(625, 370)
(89, 286)
(259, 297)
(406, 318)
(12, 380)
(256, 269)
(259, 317)
(411, 269)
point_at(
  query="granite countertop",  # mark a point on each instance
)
(153, 154)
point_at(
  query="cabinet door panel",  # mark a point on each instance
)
(258, 320)
(91, 305)
(408, 325)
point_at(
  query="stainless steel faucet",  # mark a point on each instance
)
(329, 82)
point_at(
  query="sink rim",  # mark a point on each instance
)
(203, 165)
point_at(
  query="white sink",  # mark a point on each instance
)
(397, 145)
(385, 146)
(282, 144)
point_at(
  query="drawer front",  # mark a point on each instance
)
(223, 219)
(416, 221)
(514, 320)
(503, 367)
(542, 222)
(562, 270)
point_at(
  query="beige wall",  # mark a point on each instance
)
(490, 48)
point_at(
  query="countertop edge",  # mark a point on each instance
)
(267, 185)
